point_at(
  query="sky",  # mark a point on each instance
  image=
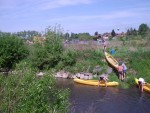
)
(77, 16)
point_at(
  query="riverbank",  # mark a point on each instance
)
(129, 51)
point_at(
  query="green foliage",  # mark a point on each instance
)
(141, 63)
(12, 50)
(78, 61)
(23, 92)
(69, 57)
(48, 54)
(88, 59)
(84, 36)
(143, 29)
(130, 79)
(73, 36)
(131, 32)
(137, 43)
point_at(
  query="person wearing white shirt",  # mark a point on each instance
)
(141, 83)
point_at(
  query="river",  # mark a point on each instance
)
(93, 99)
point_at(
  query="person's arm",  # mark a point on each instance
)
(106, 78)
(145, 83)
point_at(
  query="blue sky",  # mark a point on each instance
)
(75, 16)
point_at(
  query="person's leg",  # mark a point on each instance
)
(98, 83)
(124, 74)
(119, 76)
(142, 86)
(105, 83)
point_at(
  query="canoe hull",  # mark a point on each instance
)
(111, 60)
(95, 82)
(146, 86)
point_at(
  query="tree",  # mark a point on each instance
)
(128, 32)
(67, 35)
(134, 32)
(12, 50)
(113, 33)
(73, 36)
(143, 30)
(84, 36)
(96, 33)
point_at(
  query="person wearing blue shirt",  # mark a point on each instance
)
(124, 69)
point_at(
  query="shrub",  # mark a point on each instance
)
(48, 54)
(12, 50)
(69, 57)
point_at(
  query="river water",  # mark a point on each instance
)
(93, 99)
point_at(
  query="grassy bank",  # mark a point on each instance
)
(135, 53)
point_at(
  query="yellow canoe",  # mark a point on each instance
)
(94, 82)
(146, 86)
(111, 60)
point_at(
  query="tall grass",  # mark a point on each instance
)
(140, 62)
(23, 92)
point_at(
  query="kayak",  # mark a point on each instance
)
(111, 60)
(94, 82)
(146, 86)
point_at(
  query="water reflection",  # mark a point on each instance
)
(93, 99)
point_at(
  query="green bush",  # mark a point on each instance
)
(86, 60)
(69, 57)
(48, 54)
(12, 50)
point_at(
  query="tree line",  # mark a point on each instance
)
(142, 31)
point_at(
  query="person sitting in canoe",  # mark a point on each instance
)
(120, 71)
(141, 83)
(103, 78)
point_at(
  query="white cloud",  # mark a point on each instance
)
(62, 3)
(108, 16)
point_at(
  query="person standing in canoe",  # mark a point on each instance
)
(120, 71)
(124, 69)
(141, 83)
(103, 78)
